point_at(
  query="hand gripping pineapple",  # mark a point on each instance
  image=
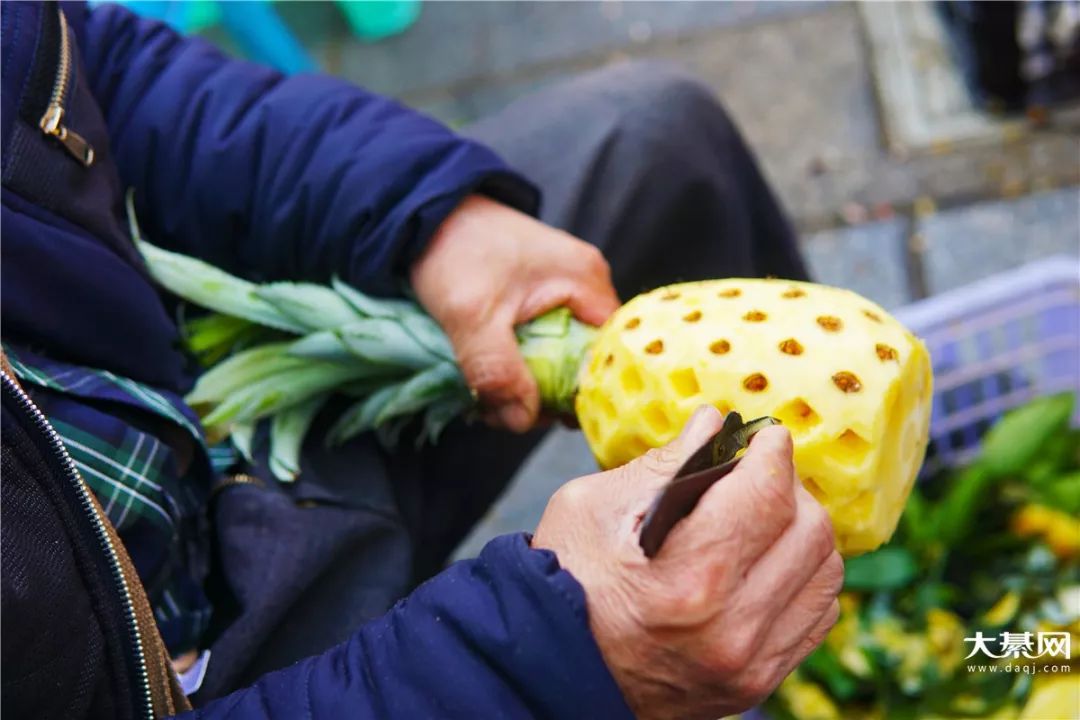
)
(851, 384)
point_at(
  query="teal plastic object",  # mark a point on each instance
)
(264, 37)
(185, 17)
(377, 19)
(255, 26)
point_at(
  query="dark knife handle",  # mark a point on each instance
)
(710, 463)
(675, 502)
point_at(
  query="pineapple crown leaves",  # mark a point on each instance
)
(280, 350)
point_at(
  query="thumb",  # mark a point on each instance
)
(493, 368)
(660, 464)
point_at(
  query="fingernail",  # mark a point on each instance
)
(515, 417)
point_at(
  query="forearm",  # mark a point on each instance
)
(276, 177)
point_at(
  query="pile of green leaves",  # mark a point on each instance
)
(954, 552)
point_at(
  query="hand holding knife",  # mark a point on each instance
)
(710, 463)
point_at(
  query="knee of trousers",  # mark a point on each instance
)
(657, 107)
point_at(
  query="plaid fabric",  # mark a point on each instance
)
(125, 439)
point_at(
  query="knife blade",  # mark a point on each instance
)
(711, 462)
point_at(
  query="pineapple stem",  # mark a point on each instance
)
(554, 346)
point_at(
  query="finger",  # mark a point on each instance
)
(758, 497)
(593, 299)
(589, 300)
(493, 367)
(799, 627)
(788, 565)
(659, 465)
(593, 305)
(809, 641)
(781, 644)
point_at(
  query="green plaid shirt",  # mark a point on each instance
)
(124, 437)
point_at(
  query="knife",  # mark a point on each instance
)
(709, 463)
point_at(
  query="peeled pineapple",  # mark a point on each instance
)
(851, 384)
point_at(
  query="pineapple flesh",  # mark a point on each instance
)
(850, 382)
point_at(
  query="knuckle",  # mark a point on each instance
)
(832, 616)
(489, 373)
(660, 460)
(817, 635)
(593, 260)
(570, 496)
(758, 684)
(737, 653)
(678, 598)
(821, 540)
(690, 601)
(463, 306)
(834, 573)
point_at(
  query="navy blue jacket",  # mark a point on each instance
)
(269, 177)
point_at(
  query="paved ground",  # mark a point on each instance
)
(798, 78)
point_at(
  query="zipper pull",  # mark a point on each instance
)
(76, 145)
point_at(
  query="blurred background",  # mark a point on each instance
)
(917, 146)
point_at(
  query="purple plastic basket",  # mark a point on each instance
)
(994, 345)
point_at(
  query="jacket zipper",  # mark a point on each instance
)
(105, 541)
(52, 122)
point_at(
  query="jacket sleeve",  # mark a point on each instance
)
(503, 636)
(276, 177)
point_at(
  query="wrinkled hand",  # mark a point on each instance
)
(741, 591)
(489, 268)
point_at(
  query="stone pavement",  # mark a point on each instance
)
(798, 77)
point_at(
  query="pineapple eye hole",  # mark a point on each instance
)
(606, 406)
(872, 315)
(592, 429)
(609, 360)
(720, 347)
(850, 447)
(886, 353)
(631, 380)
(692, 317)
(830, 323)
(637, 447)
(791, 346)
(657, 418)
(685, 382)
(793, 293)
(798, 416)
(755, 383)
(655, 347)
(862, 504)
(814, 489)
(729, 293)
(632, 323)
(755, 316)
(670, 295)
(848, 382)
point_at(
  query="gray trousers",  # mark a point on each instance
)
(637, 159)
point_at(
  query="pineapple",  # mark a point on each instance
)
(851, 384)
